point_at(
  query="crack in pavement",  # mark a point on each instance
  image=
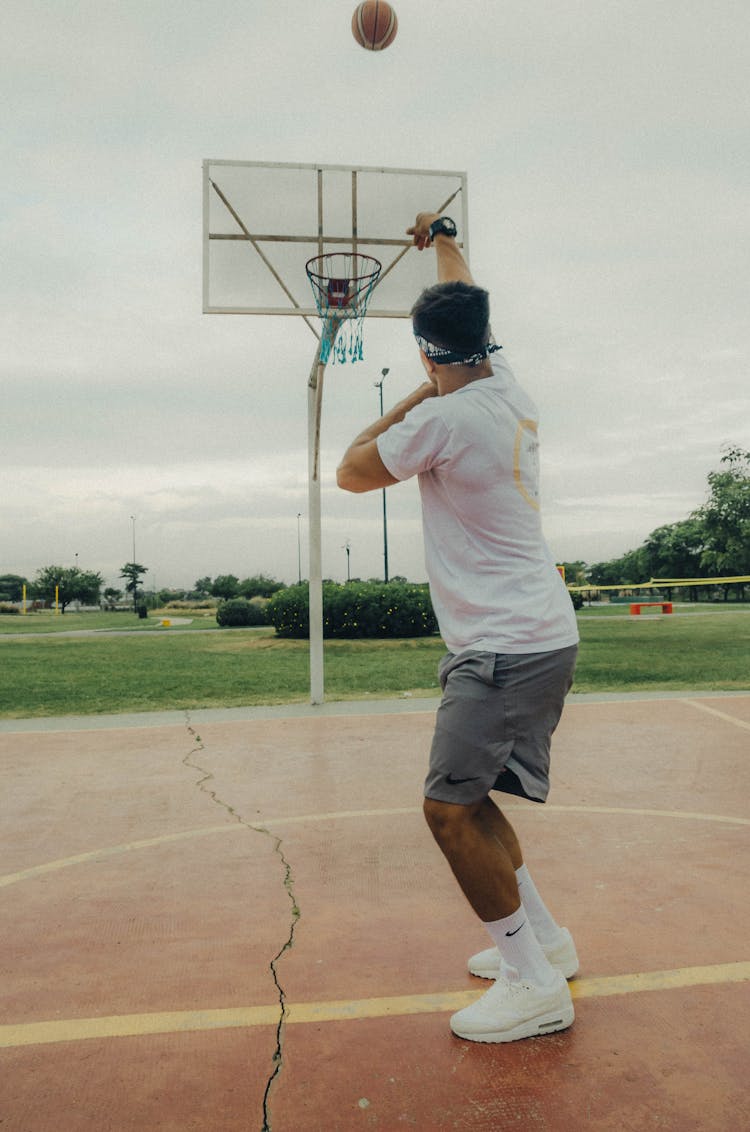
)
(277, 1059)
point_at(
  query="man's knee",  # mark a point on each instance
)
(447, 820)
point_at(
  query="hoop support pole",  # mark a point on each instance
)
(315, 582)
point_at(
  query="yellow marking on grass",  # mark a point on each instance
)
(346, 1010)
(719, 714)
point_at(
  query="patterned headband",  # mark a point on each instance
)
(444, 356)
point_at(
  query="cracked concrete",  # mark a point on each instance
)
(288, 882)
(139, 919)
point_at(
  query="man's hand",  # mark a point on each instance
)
(451, 265)
(420, 230)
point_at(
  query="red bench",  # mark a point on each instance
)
(665, 606)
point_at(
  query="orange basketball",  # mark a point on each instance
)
(374, 25)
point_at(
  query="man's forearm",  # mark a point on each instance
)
(394, 415)
(451, 265)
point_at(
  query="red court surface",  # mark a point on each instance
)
(238, 924)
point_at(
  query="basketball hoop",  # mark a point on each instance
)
(342, 283)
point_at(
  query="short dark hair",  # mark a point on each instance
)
(453, 315)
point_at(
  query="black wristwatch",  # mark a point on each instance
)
(443, 225)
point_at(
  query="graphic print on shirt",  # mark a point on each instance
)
(526, 462)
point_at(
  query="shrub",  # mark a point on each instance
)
(577, 600)
(357, 609)
(238, 611)
(8, 610)
(178, 604)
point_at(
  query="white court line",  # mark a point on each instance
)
(338, 815)
(719, 714)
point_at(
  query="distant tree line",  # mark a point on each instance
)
(713, 541)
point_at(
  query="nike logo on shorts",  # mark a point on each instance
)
(457, 781)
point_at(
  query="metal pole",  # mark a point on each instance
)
(299, 550)
(135, 576)
(314, 396)
(379, 386)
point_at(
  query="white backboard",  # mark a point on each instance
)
(262, 222)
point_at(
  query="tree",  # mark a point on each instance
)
(575, 573)
(69, 583)
(202, 588)
(260, 585)
(132, 572)
(675, 550)
(11, 587)
(226, 586)
(625, 571)
(726, 516)
(111, 595)
(165, 596)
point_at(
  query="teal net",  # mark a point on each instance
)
(342, 283)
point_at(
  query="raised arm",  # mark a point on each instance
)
(451, 265)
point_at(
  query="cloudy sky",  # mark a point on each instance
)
(606, 146)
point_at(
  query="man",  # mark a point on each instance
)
(469, 433)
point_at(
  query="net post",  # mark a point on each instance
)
(315, 571)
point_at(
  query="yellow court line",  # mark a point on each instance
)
(719, 714)
(193, 1021)
(338, 815)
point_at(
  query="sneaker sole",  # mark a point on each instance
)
(532, 1028)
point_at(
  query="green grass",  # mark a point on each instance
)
(47, 621)
(165, 669)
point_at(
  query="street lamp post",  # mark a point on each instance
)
(347, 548)
(379, 386)
(135, 576)
(299, 550)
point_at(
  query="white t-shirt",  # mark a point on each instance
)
(493, 581)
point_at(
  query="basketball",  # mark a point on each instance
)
(374, 25)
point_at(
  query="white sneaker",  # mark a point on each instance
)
(512, 1010)
(562, 955)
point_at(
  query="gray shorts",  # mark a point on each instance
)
(495, 723)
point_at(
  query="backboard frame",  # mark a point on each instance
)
(391, 249)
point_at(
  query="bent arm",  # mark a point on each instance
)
(361, 468)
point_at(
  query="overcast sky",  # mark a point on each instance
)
(607, 151)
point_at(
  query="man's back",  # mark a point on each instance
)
(493, 581)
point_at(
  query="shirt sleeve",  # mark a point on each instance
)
(417, 443)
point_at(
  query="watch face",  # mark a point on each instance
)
(444, 225)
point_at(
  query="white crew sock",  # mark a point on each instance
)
(520, 949)
(546, 929)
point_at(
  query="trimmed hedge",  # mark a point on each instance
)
(356, 609)
(238, 611)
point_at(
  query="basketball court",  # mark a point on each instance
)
(239, 921)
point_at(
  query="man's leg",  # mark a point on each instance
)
(556, 942)
(536, 1000)
(498, 827)
(483, 866)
